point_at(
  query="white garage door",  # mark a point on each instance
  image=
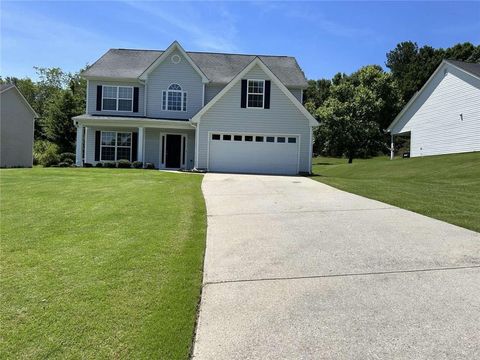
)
(253, 153)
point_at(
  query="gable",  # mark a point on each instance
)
(440, 102)
(450, 77)
(262, 72)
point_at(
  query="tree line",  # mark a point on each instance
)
(353, 110)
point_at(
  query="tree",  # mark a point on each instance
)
(411, 66)
(347, 125)
(317, 92)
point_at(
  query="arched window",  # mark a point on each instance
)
(174, 98)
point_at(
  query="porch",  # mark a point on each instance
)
(168, 144)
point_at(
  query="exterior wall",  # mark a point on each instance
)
(211, 90)
(282, 117)
(166, 74)
(152, 143)
(434, 118)
(297, 93)
(16, 131)
(92, 98)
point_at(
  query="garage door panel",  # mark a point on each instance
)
(254, 157)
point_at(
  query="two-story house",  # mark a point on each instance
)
(209, 111)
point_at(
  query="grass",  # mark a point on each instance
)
(99, 263)
(444, 187)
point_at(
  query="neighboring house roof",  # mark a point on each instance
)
(6, 87)
(218, 67)
(469, 68)
(256, 61)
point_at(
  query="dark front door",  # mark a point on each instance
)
(173, 151)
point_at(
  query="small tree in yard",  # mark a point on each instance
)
(347, 121)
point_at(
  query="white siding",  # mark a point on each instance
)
(282, 117)
(92, 98)
(166, 74)
(434, 118)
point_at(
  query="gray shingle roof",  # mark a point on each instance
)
(472, 68)
(218, 67)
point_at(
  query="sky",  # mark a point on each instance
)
(325, 37)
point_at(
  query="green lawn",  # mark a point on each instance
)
(99, 263)
(444, 187)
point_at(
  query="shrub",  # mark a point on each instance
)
(99, 165)
(149, 166)
(124, 164)
(67, 157)
(87, 165)
(109, 164)
(64, 164)
(45, 153)
(137, 164)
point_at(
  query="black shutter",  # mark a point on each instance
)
(135, 99)
(99, 97)
(243, 100)
(97, 145)
(267, 94)
(134, 145)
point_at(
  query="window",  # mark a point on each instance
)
(237, 137)
(280, 139)
(227, 137)
(248, 138)
(270, 139)
(259, 138)
(255, 93)
(292, 140)
(174, 99)
(117, 98)
(216, 137)
(116, 146)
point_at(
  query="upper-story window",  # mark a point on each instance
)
(117, 98)
(255, 93)
(174, 99)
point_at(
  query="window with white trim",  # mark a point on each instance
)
(117, 98)
(255, 93)
(115, 146)
(174, 98)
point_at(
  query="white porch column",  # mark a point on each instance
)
(140, 143)
(78, 152)
(392, 149)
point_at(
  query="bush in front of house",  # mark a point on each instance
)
(64, 164)
(87, 165)
(67, 157)
(99, 165)
(124, 164)
(149, 166)
(46, 153)
(137, 164)
(109, 164)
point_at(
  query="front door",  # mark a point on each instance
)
(173, 151)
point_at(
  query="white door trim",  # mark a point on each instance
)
(163, 165)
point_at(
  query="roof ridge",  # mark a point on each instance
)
(208, 52)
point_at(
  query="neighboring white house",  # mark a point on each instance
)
(17, 119)
(210, 111)
(444, 116)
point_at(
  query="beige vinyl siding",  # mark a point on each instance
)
(434, 118)
(168, 73)
(16, 131)
(283, 117)
(92, 98)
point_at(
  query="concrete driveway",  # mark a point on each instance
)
(295, 269)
